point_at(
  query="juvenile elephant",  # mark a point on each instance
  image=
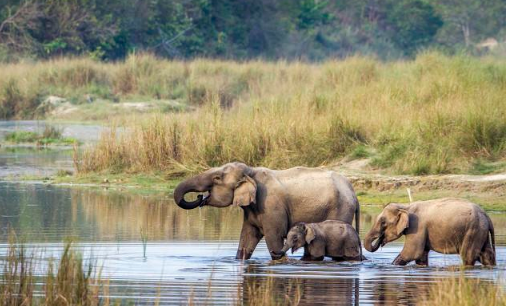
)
(329, 238)
(448, 226)
(272, 200)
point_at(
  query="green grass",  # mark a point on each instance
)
(489, 201)
(22, 137)
(152, 183)
(360, 151)
(50, 136)
(483, 167)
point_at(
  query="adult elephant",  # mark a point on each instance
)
(272, 200)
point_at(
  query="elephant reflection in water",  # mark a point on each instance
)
(296, 290)
(398, 291)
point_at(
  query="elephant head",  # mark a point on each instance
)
(297, 237)
(226, 185)
(389, 226)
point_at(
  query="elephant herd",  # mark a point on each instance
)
(314, 209)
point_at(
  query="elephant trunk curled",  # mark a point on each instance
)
(370, 244)
(199, 183)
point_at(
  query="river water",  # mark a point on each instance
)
(188, 256)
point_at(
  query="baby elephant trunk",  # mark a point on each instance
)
(285, 248)
(282, 252)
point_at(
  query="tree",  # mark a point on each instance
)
(470, 19)
(412, 24)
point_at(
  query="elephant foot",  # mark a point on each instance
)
(277, 255)
(398, 261)
(356, 258)
(311, 258)
(422, 262)
(243, 254)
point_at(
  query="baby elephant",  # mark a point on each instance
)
(330, 238)
(448, 226)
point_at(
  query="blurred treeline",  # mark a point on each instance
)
(241, 29)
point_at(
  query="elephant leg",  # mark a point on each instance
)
(307, 255)
(250, 236)
(487, 255)
(414, 249)
(312, 258)
(424, 260)
(274, 244)
(471, 249)
(399, 261)
(339, 259)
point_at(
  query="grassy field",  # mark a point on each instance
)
(433, 114)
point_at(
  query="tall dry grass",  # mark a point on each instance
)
(71, 282)
(435, 114)
(463, 291)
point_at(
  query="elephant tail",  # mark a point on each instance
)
(492, 234)
(357, 228)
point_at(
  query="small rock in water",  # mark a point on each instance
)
(105, 181)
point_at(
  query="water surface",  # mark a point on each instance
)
(190, 254)
(22, 160)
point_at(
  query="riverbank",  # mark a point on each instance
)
(489, 191)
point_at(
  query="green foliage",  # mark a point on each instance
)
(50, 135)
(110, 30)
(482, 166)
(360, 151)
(22, 137)
(413, 24)
(312, 14)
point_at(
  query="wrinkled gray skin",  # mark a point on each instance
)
(448, 226)
(272, 200)
(329, 238)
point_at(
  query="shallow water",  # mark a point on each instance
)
(18, 161)
(190, 254)
(82, 132)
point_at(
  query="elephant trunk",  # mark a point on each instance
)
(281, 253)
(372, 242)
(285, 248)
(199, 183)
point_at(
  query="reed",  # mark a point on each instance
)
(144, 239)
(460, 290)
(17, 286)
(70, 282)
(270, 291)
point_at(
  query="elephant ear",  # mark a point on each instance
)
(245, 192)
(403, 222)
(310, 235)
